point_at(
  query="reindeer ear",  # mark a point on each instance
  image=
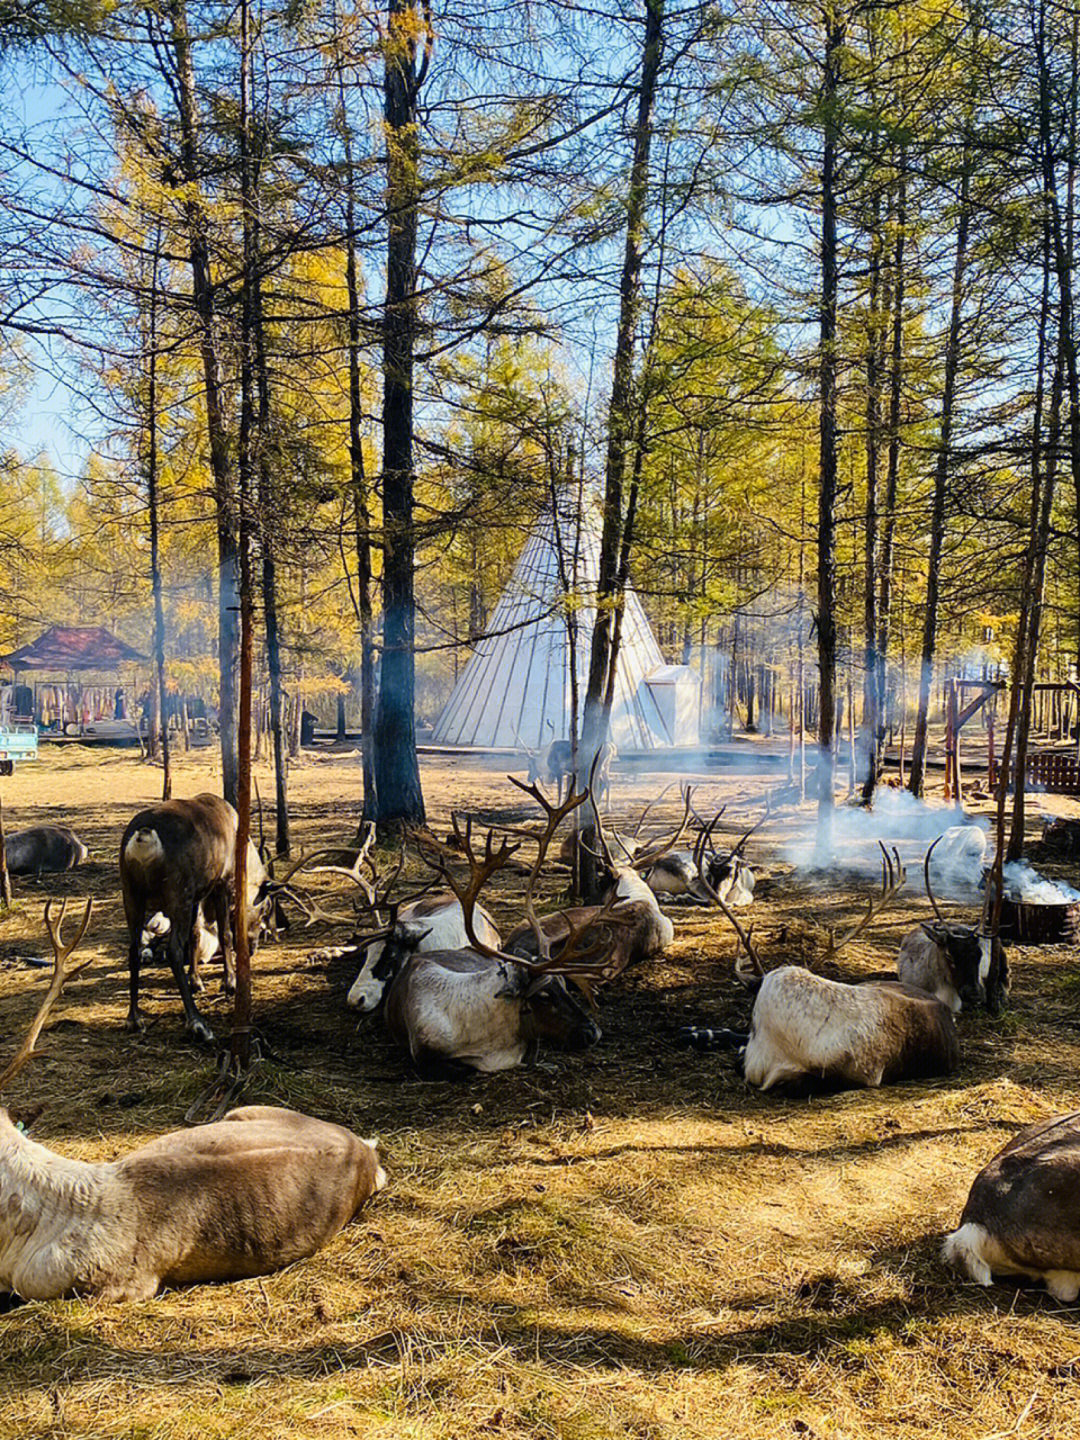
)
(535, 985)
(513, 985)
(412, 931)
(937, 932)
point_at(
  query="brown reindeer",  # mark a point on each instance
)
(254, 1192)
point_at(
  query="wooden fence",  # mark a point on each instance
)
(1059, 774)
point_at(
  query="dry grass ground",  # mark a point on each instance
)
(627, 1244)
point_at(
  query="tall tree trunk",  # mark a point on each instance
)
(400, 800)
(153, 505)
(826, 589)
(268, 509)
(621, 408)
(916, 777)
(892, 472)
(361, 501)
(203, 298)
(1043, 457)
(249, 440)
(873, 700)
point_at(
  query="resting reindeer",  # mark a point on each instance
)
(683, 873)
(1022, 1216)
(962, 966)
(644, 930)
(805, 1027)
(247, 1195)
(244, 1196)
(174, 857)
(482, 1007)
(434, 922)
(43, 848)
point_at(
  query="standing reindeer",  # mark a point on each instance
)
(179, 857)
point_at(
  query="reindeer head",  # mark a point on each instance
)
(976, 957)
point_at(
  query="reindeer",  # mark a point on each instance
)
(644, 930)
(807, 1028)
(962, 966)
(552, 766)
(252, 1193)
(177, 857)
(434, 922)
(43, 848)
(1021, 1215)
(678, 873)
(482, 1007)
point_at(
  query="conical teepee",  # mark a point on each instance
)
(515, 690)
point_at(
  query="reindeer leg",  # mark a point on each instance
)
(136, 916)
(180, 951)
(198, 986)
(223, 915)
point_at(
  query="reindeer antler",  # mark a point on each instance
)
(650, 857)
(704, 839)
(655, 801)
(375, 896)
(480, 871)
(62, 973)
(576, 958)
(893, 876)
(926, 878)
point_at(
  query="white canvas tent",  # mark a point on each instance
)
(515, 689)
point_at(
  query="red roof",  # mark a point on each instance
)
(71, 647)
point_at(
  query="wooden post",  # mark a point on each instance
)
(950, 740)
(5, 878)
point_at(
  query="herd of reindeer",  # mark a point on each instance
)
(265, 1186)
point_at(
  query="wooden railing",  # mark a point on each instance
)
(1057, 773)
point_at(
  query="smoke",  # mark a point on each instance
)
(898, 820)
(1025, 886)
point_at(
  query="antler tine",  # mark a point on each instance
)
(655, 801)
(893, 878)
(650, 857)
(62, 972)
(926, 877)
(480, 871)
(64, 952)
(737, 849)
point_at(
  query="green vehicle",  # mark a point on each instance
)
(18, 741)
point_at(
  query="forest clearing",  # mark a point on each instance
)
(677, 406)
(623, 1242)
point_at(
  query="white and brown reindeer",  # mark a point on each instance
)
(482, 1007)
(1022, 1216)
(806, 1028)
(697, 878)
(963, 966)
(432, 922)
(254, 1192)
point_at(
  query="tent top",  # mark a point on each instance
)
(70, 647)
